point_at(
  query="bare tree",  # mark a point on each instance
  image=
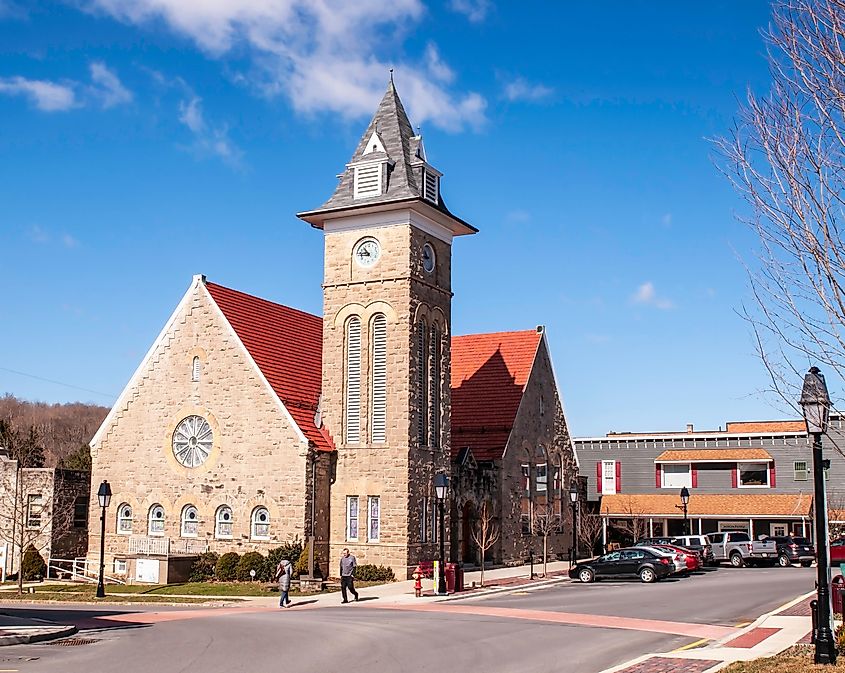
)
(485, 534)
(545, 522)
(785, 156)
(590, 530)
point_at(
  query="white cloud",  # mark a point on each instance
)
(474, 10)
(666, 220)
(209, 140)
(69, 241)
(519, 89)
(109, 88)
(518, 216)
(647, 296)
(322, 54)
(11, 10)
(46, 96)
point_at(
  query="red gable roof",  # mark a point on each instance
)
(489, 373)
(287, 346)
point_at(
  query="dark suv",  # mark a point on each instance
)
(794, 550)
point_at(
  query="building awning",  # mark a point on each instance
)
(707, 505)
(714, 456)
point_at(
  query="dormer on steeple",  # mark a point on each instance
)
(389, 167)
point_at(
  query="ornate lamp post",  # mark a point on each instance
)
(573, 498)
(441, 487)
(104, 496)
(684, 503)
(815, 402)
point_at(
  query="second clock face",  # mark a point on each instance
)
(367, 252)
(428, 258)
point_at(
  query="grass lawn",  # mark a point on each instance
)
(798, 659)
(88, 597)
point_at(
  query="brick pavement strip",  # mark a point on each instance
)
(752, 637)
(801, 609)
(671, 665)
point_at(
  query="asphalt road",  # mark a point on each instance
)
(361, 638)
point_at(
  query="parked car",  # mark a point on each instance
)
(698, 543)
(688, 559)
(672, 541)
(677, 559)
(739, 550)
(794, 550)
(646, 564)
(837, 550)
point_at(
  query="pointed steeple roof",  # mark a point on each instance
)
(389, 138)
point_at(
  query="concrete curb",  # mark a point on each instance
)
(501, 590)
(38, 636)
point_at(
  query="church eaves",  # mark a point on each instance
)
(399, 173)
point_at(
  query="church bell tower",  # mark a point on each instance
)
(387, 326)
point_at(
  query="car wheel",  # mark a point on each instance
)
(784, 561)
(648, 576)
(586, 575)
(806, 564)
(736, 560)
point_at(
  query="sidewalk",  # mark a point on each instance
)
(768, 636)
(17, 631)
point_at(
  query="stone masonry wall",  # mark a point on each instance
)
(257, 457)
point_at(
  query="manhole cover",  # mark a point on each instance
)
(71, 642)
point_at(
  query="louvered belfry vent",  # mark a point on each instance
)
(353, 380)
(379, 392)
(431, 186)
(368, 180)
(422, 384)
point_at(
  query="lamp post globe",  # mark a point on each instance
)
(573, 498)
(104, 498)
(815, 403)
(441, 488)
(685, 502)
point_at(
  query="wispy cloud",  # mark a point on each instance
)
(209, 140)
(107, 86)
(45, 95)
(518, 216)
(474, 10)
(521, 90)
(666, 220)
(322, 58)
(41, 236)
(12, 10)
(646, 295)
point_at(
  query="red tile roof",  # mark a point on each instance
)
(489, 373)
(287, 346)
(766, 426)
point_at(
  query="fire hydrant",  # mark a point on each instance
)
(418, 575)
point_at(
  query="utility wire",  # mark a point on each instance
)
(58, 383)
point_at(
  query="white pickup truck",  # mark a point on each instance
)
(739, 549)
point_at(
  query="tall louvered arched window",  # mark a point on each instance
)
(378, 427)
(435, 387)
(422, 383)
(353, 380)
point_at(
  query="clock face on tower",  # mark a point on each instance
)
(428, 259)
(366, 252)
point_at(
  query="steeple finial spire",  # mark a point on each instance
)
(391, 75)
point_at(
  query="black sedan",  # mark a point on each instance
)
(646, 564)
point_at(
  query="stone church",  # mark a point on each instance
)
(249, 423)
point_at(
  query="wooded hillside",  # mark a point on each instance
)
(48, 434)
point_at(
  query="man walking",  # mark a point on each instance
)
(347, 574)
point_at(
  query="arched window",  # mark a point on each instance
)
(435, 387)
(422, 383)
(124, 519)
(526, 504)
(190, 521)
(541, 478)
(260, 524)
(378, 429)
(353, 380)
(155, 520)
(223, 522)
(195, 369)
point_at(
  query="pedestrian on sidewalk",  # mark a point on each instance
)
(347, 574)
(283, 575)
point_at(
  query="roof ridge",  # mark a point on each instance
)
(262, 299)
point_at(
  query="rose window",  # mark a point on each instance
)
(192, 441)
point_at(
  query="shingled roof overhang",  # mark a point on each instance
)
(714, 456)
(708, 506)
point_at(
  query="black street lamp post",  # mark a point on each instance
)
(441, 486)
(683, 506)
(573, 498)
(815, 402)
(104, 496)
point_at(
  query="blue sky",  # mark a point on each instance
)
(143, 142)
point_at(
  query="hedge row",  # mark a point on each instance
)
(232, 566)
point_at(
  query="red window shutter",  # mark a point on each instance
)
(618, 477)
(772, 475)
(694, 477)
(598, 477)
(734, 477)
(657, 481)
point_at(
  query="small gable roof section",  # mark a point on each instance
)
(489, 375)
(287, 346)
